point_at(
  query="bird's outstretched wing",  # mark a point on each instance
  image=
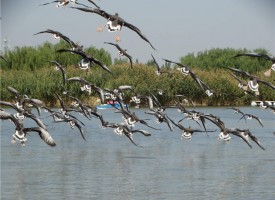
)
(48, 3)
(67, 39)
(240, 72)
(81, 53)
(44, 135)
(122, 51)
(116, 45)
(158, 67)
(91, 1)
(256, 141)
(257, 55)
(103, 66)
(266, 83)
(97, 11)
(3, 58)
(134, 28)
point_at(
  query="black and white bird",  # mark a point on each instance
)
(21, 132)
(225, 133)
(59, 67)
(87, 60)
(57, 35)
(66, 2)
(121, 52)
(250, 116)
(236, 110)
(123, 129)
(87, 86)
(44, 135)
(185, 70)
(159, 71)
(252, 83)
(115, 23)
(188, 132)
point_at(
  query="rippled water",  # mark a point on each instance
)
(108, 166)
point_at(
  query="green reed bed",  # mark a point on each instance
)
(45, 82)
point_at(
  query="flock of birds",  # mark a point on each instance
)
(24, 105)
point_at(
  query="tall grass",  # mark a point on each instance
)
(45, 82)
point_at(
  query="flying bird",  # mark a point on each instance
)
(236, 110)
(44, 135)
(123, 129)
(115, 23)
(121, 52)
(59, 67)
(253, 83)
(66, 2)
(87, 60)
(57, 35)
(250, 116)
(185, 70)
(263, 56)
(87, 86)
(159, 71)
(257, 55)
(21, 132)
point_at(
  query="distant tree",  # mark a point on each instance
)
(150, 63)
(218, 58)
(119, 61)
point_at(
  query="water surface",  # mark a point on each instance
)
(108, 166)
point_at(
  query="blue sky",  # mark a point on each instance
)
(175, 28)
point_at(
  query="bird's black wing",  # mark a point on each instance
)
(3, 58)
(130, 59)
(44, 135)
(48, 3)
(177, 63)
(257, 55)
(103, 66)
(240, 134)
(256, 140)
(134, 28)
(81, 53)
(241, 72)
(79, 79)
(49, 31)
(158, 67)
(80, 129)
(116, 45)
(198, 80)
(124, 53)
(5, 116)
(258, 119)
(266, 83)
(96, 11)
(91, 1)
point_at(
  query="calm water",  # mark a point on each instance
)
(108, 166)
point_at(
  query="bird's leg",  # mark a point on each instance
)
(117, 38)
(23, 143)
(100, 28)
(13, 141)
